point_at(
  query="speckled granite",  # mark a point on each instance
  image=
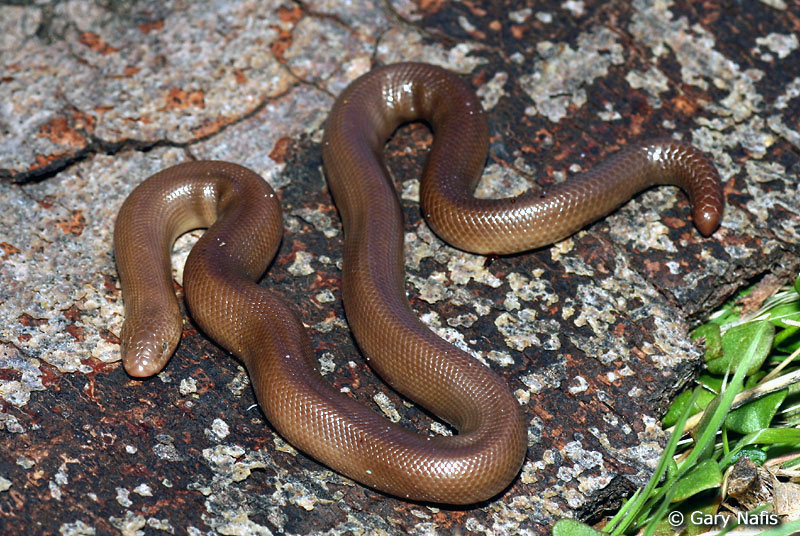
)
(590, 333)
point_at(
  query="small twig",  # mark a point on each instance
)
(748, 395)
(780, 367)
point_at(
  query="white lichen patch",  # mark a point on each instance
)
(129, 525)
(163, 525)
(499, 182)
(548, 377)
(520, 330)
(578, 385)
(493, 90)
(538, 289)
(403, 42)
(76, 528)
(219, 430)
(520, 15)
(466, 266)
(325, 296)
(301, 266)
(780, 44)
(500, 358)
(187, 386)
(387, 406)
(652, 81)
(431, 289)
(609, 113)
(576, 7)
(559, 79)
(10, 423)
(440, 429)
(321, 221)
(240, 382)
(283, 446)
(18, 392)
(165, 449)
(462, 321)
(239, 524)
(25, 462)
(327, 363)
(123, 497)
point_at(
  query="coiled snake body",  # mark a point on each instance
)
(243, 217)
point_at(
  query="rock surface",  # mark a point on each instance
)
(590, 333)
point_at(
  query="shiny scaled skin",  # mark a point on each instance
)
(244, 222)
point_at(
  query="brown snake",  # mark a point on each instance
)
(244, 220)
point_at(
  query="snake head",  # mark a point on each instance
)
(147, 344)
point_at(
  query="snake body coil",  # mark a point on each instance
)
(244, 221)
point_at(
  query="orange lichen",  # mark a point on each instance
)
(180, 99)
(280, 45)
(147, 27)
(96, 43)
(59, 131)
(290, 15)
(8, 249)
(75, 225)
(278, 153)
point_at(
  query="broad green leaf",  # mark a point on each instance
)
(785, 311)
(570, 527)
(712, 414)
(788, 340)
(706, 475)
(704, 398)
(757, 455)
(728, 313)
(712, 383)
(794, 388)
(768, 436)
(779, 357)
(672, 468)
(756, 415)
(735, 343)
(753, 380)
(797, 285)
(713, 340)
(715, 413)
(679, 405)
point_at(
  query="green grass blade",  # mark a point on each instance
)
(636, 505)
(622, 512)
(713, 424)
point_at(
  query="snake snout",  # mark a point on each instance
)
(144, 358)
(706, 219)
